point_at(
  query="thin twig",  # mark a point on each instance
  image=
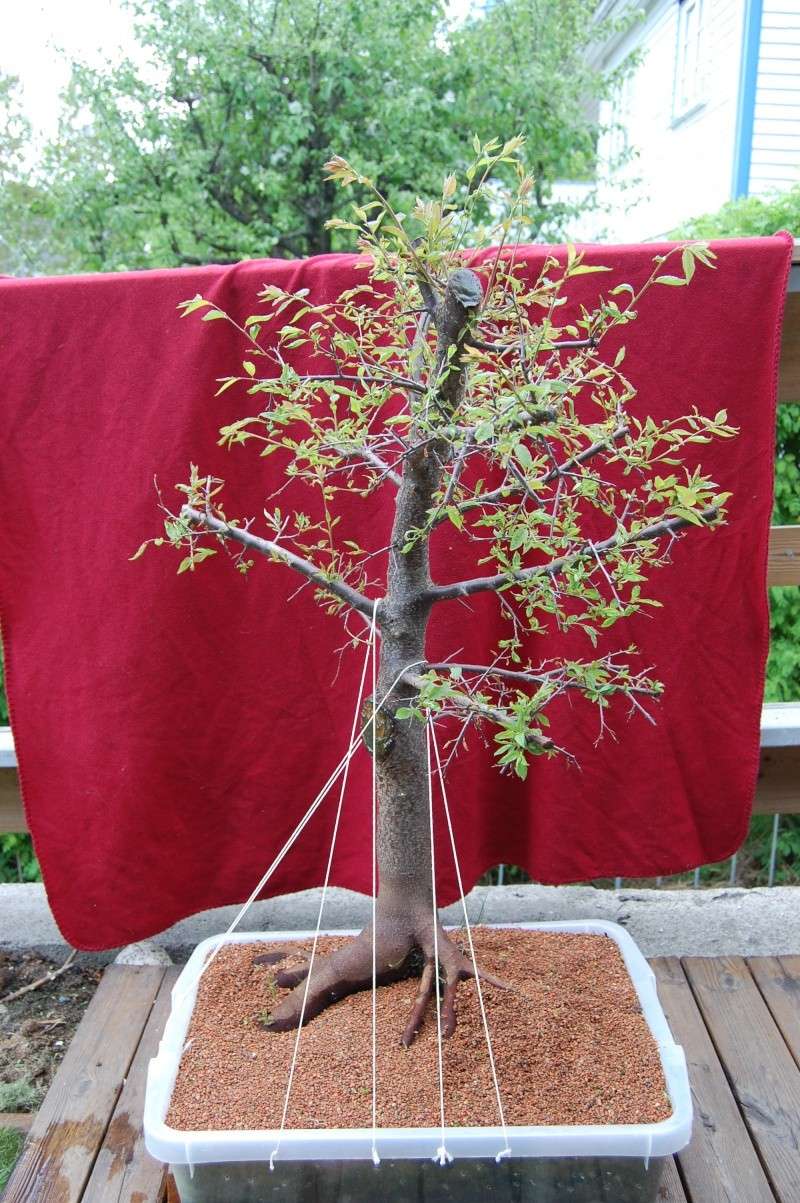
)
(273, 551)
(483, 584)
(41, 981)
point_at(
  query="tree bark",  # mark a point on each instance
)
(404, 859)
(405, 915)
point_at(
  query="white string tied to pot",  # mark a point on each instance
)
(374, 640)
(371, 654)
(506, 1150)
(442, 1156)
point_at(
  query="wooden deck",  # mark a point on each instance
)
(738, 1021)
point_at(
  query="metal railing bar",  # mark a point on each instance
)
(773, 851)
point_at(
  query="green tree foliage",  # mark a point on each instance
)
(208, 143)
(760, 217)
(465, 394)
(15, 135)
(521, 418)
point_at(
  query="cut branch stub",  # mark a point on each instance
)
(382, 728)
(463, 298)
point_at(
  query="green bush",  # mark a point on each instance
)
(17, 859)
(10, 1148)
(21, 1095)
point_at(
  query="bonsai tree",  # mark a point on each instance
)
(447, 380)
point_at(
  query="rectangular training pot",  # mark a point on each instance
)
(548, 1164)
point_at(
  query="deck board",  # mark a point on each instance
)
(764, 1076)
(670, 1189)
(778, 979)
(69, 1127)
(124, 1170)
(738, 1022)
(720, 1161)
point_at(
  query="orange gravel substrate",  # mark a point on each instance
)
(570, 1043)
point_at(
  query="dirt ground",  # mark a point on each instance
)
(35, 1030)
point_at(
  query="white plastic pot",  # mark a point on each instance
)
(548, 1164)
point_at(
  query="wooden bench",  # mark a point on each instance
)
(737, 1019)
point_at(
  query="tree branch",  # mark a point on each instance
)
(395, 381)
(587, 454)
(484, 584)
(483, 710)
(565, 344)
(488, 670)
(273, 551)
(369, 457)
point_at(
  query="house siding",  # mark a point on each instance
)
(684, 161)
(775, 158)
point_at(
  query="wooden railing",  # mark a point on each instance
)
(778, 789)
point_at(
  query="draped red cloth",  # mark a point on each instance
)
(171, 730)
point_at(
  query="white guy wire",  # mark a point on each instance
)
(442, 1155)
(506, 1151)
(375, 1158)
(315, 805)
(356, 713)
(313, 808)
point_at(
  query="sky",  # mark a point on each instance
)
(98, 31)
(32, 32)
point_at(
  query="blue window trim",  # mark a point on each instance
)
(745, 114)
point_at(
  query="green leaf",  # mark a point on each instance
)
(188, 562)
(140, 552)
(213, 315)
(224, 384)
(250, 368)
(673, 281)
(585, 269)
(687, 263)
(197, 302)
(690, 515)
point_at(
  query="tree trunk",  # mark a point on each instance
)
(407, 930)
(404, 860)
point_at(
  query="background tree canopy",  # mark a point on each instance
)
(207, 144)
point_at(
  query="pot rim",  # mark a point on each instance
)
(191, 1148)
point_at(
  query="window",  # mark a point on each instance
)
(618, 138)
(689, 66)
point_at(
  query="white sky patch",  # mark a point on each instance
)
(34, 33)
(39, 39)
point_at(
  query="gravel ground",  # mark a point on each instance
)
(570, 1042)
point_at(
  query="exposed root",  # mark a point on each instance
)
(349, 970)
(291, 977)
(427, 982)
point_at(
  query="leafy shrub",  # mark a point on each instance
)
(20, 1095)
(11, 1143)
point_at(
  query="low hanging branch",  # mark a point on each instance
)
(273, 551)
(457, 382)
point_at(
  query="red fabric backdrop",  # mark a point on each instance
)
(172, 729)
